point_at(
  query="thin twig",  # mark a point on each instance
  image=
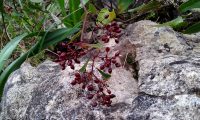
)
(85, 19)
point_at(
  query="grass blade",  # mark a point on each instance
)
(176, 23)
(150, 6)
(6, 52)
(104, 75)
(123, 5)
(189, 5)
(49, 39)
(73, 7)
(193, 29)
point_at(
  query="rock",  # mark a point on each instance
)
(168, 77)
(160, 80)
(45, 92)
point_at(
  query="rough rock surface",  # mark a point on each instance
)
(167, 67)
(45, 92)
(168, 77)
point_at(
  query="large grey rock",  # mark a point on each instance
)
(161, 82)
(45, 92)
(168, 77)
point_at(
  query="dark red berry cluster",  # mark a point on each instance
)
(109, 61)
(96, 90)
(112, 30)
(69, 54)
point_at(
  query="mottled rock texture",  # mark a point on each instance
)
(168, 77)
(160, 81)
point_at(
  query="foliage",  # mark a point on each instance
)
(193, 29)
(123, 5)
(49, 38)
(191, 4)
(105, 16)
(176, 23)
(150, 6)
(181, 21)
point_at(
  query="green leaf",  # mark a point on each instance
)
(6, 52)
(123, 5)
(67, 22)
(104, 75)
(62, 7)
(193, 29)
(97, 45)
(102, 19)
(189, 5)
(48, 38)
(92, 9)
(176, 23)
(84, 3)
(75, 12)
(83, 69)
(150, 6)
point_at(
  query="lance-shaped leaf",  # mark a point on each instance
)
(193, 29)
(123, 5)
(48, 39)
(191, 4)
(104, 75)
(6, 52)
(176, 23)
(83, 69)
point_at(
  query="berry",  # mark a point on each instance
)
(94, 104)
(107, 49)
(90, 87)
(116, 41)
(73, 82)
(90, 96)
(102, 67)
(100, 89)
(107, 27)
(63, 55)
(108, 91)
(114, 61)
(104, 38)
(77, 61)
(117, 65)
(77, 75)
(117, 54)
(110, 70)
(83, 87)
(106, 98)
(72, 67)
(118, 31)
(96, 81)
(69, 62)
(114, 24)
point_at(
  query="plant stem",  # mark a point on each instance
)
(85, 19)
